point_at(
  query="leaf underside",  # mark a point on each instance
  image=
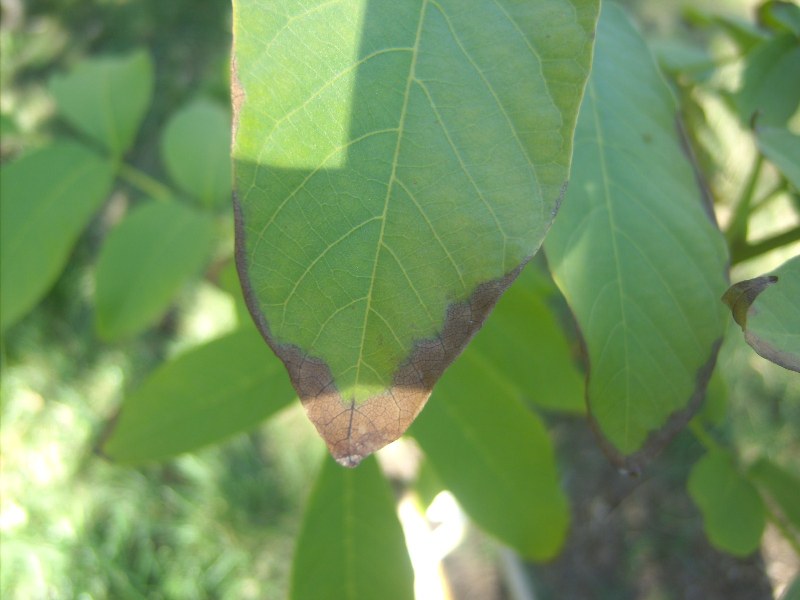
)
(395, 166)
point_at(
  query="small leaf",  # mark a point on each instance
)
(106, 97)
(767, 310)
(146, 259)
(196, 151)
(637, 257)
(351, 544)
(495, 456)
(222, 388)
(780, 486)
(46, 200)
(733, 513)
(782, 147)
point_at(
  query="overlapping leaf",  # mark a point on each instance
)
(396, 162)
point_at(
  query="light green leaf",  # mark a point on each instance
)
(770, 90)
(206, 395)
(733, 513)
(144, 261)
(637, 257)
(495, 456)
(46, 200)
(196, 151)
(351, 545)
(780, 486)
(767, 310)
(106, 97)
(395, 164)
(782, 147)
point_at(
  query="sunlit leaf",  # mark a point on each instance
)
(351, 544)
(46, 200)
(206, 395)
(396, 162)
(639, 260)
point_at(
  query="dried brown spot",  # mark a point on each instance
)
(741, 295)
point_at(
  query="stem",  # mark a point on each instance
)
(782, 528)
(144, 183)
(743, 251)
(702, 436)
(768, 197)
(737, 230)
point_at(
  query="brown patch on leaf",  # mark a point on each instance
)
(354, 431)
(741, 295)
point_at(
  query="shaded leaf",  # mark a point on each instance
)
(782, 147)
(46, 200)
(212, 392)
(395, 164)
(733, 513)
(106, 97)
(639, 261)
(196, 151)
(144, 261)
(495, 456)
(780, 486)
(351, 544)
(767, 310)
(780, 16)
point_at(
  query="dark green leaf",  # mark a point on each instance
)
(351, 546)
(106, 97)
(145, 261)
(206, 395)
(733, 513)
(780, 16)
(196, 151)
(46, 200)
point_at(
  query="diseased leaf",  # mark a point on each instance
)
(351, 544)
(106, 97)
(222, 388)
(782, 147)
(767, 310)
(495, 456)
(196, 151)
(46, 200)
(733, 513)
(638, 259)
(146, 259)
(395, 164)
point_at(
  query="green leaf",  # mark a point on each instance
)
(196, 151)
(205, 395)
(770, 90)
(638, 259)
(780, 16)
(351, 544)
(780, 486)
(767, 310)
(106, 97)
(46, 200)
(145, 261)
(782, 147)
(733, 513)
(495, 456)
(395, 164)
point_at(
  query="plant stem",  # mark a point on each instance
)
(702, 436)
(743, 251)
(737, 230)
(782, 528)
(143, 182)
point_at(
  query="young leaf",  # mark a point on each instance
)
(106, 97)
(351, 544)
(46, 200)
(638, 259)
(767, 310)
(206, 395)
(395, 165)
(733, 513)
(495, 456)
(782, 147)
(144, 262)
(196, 151)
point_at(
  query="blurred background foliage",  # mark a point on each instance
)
(221, 522)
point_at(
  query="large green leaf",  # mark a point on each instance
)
(639, 260)
(212, 392)
(351, 546)
(733, 513)
(145, 261)
(768, 311)
(495, 456)
(46, 200)
(106, 97)
(196, 152)
(395, 164)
